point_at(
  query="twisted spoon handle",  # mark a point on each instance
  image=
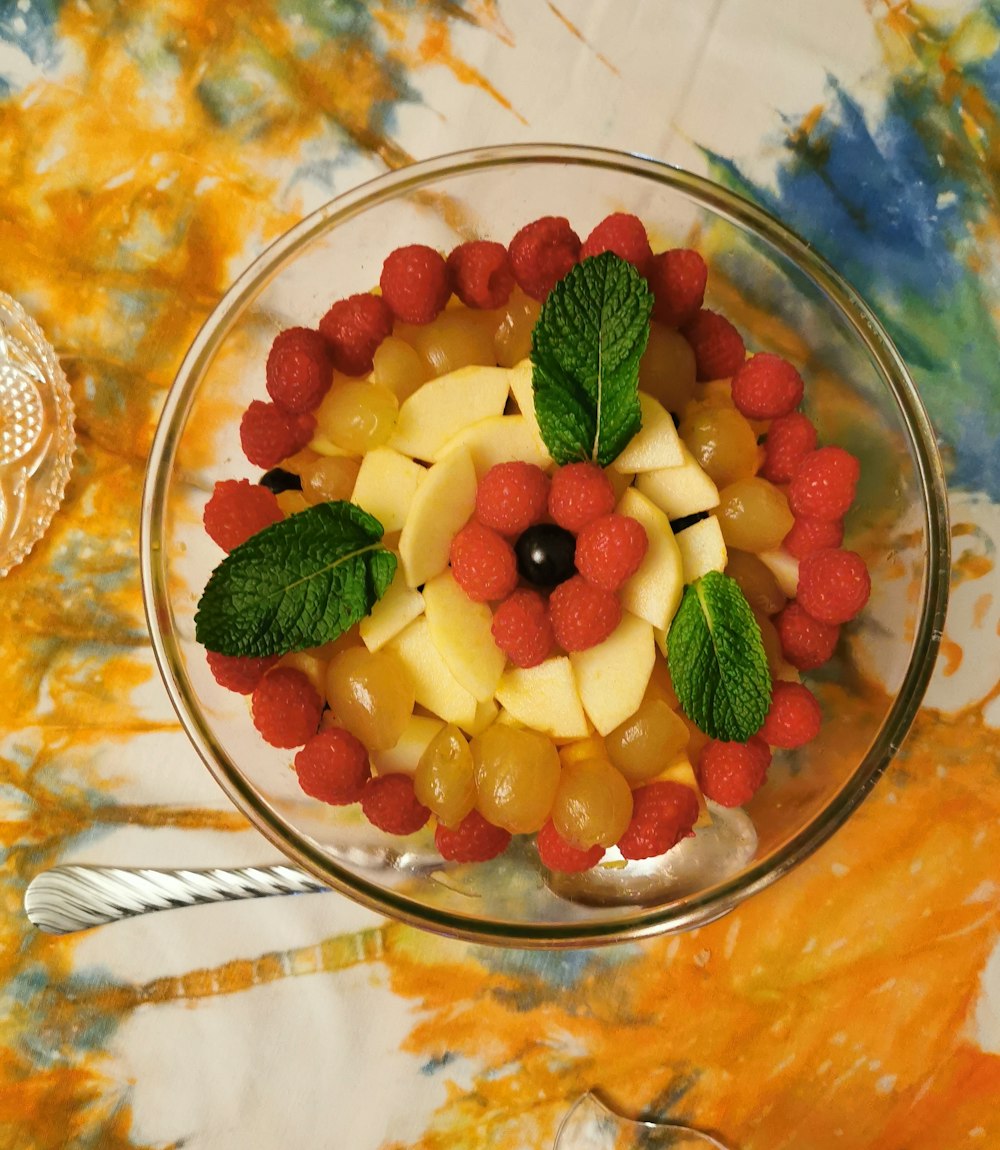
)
(68, 898)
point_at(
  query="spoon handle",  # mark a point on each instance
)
(68, 898)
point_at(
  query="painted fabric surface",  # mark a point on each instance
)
(147, 152)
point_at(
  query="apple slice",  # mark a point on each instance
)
(461, 632)
(612, 677)
(654, 591)
(785, 568)
(655, 445)
(397, 609)
(385, 486)
(500, 439)
(679, 491)
(486, 714)
(522, 389)
(438, 410)
(434, 686)
(702, 548)
(544, 698)
(440, 508)
(405, 755)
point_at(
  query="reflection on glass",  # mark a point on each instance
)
(590, 1125)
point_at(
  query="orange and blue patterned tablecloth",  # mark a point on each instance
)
(147, 151)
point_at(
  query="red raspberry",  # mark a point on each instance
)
(730, 774)
(543, 252)
(269, 434)
(512, 496)
(805, 642)
(559, 855)
(239, 673)
(833, 585)
(286, 707)
(483, 563)
(353, 328)
(623, 234)
(610, 549)
(473, 840)
(677, 279)
(522, 630)
(717, 345)
(809, 535)
(582, 615)
(794, 718)
(390, 803)
(299, 370)
(823, 484)
(481, 273)
(767, 387)
(415, 283)
(238, 509)
(662, 814)
(580, 493)
(789, 441)
(333, 767)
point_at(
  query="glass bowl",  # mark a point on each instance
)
(786, 299)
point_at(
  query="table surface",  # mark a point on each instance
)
(147, 151)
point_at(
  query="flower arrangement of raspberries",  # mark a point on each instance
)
(547, 550)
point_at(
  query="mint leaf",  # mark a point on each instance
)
(298, 583)
(585, 352)
(717, 661)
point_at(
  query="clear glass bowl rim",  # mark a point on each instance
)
(685, 913)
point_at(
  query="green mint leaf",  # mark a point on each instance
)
(717, 661)
(298, 583)
(585, 352)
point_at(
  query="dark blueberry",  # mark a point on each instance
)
(545, 554)
(278, 480)
(687, 521)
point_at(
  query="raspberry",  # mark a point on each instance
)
(823, 484)
(269, 434)
(353, 328)
(543, 252)
(610, 549)
(805, 642)
(483, 563)
(559, 855)
(833, 585)
(623, 234)
(767, 387)
(730, 774)
(299, 370)
(333, 767)
(522, 630)
(286, 707)
(512, 496)
(677, 280)
(473, 840)
(794, 718)
(239, 673)
(580, 493)
(415, 283)
(717, 345)
(482, 274)
(789, 441)
(662, 814)
(390, 803)
(238, 509)
(582, 615)
(809, 535)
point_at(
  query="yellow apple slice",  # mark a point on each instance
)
(486, 714)
(612, 677)
(434, 686)
(440, 507)
(500, 439)
(785, 568)
(654, 591)
(385, 486)
(679, 491)
(460, 629)
(544, 698)
(439, 409)
(397, 609)
(524, 395)
(702, 548)
(655, 445)
(404, 756)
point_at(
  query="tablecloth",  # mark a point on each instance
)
(147, 151)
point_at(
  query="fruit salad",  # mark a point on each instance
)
(537, 548)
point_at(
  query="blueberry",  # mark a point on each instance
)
(545, 554)
(278, 480)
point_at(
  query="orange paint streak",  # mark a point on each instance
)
(578, 35)
(951, 656)
(435, 47)
(981, 608)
